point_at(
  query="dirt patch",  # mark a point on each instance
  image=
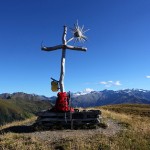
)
(57, 135)
(52, 136)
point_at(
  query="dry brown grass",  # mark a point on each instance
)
(17, 123)
(134, 135)
(12, 141)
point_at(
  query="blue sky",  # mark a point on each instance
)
(118, 55)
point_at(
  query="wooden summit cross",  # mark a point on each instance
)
(78, 35)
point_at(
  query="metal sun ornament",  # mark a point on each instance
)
(78, 33)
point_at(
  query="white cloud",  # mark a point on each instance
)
(117, 83)
(103, 82)
(148, 77)
(110, 83)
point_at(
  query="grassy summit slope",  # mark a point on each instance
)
(133, 133)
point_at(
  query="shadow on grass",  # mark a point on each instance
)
(33, 128)
(18, 129)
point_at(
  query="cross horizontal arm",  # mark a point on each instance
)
(52, 48)
(76, 48)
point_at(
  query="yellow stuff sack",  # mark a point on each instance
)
(54, 86)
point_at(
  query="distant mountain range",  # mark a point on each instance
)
(21, 105)
(108, 97)
(23, 95)
(90, 99)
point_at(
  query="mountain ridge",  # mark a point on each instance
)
(108, 97)
(92, 98)
(23, 95)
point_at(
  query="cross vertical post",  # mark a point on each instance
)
(62, 72)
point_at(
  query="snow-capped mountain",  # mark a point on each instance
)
(106, 97)
(86, 91)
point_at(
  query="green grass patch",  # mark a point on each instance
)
(19, 109)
